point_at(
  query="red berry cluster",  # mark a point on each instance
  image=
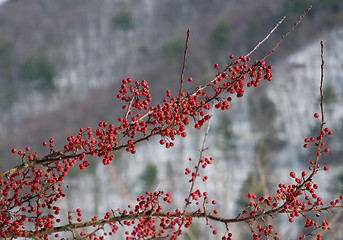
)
(142, 120)
(30, 193)
(152, 222)
(29, 196)
(297, 199)
(254, 214)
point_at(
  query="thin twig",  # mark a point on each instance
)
(284, 36)
(322, 123)
(202, 150)
(258, 45)
(322, 80)
(184, 64)
(129, 108)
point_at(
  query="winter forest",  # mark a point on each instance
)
(175, 119)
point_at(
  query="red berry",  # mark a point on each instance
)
(292, 174)
(216, 66)
(316, 115)
(190, 79)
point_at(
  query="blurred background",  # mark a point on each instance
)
(61, 63)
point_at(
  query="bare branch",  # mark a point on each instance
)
(322, 81)
(184, 65)
(259, 44)
(284, 36)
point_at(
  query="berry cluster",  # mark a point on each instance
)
(295, 200)
(30, 192)
(26, 198)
